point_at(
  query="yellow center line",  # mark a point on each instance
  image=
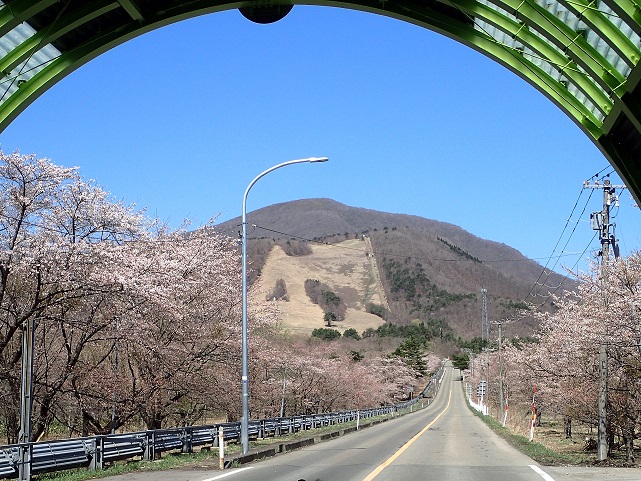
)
(393, 457)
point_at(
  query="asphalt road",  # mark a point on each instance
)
(442, 442)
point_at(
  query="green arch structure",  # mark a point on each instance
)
(581, 54)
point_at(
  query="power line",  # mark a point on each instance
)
(601, 220)
(599, 173)
(553, 292)
(293, 236)
(569, 238)
(549, 273)
(558, 242)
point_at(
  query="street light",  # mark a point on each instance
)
(244, 420)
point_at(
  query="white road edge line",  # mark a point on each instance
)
(543, 474)
(221, 476)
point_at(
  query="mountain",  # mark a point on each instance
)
(430, 271)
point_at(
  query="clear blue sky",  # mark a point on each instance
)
(180, 120)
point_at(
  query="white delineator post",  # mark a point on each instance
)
(221, 448)
(533, 420)
(506, 410)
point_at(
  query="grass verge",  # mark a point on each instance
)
(537, 451)
(168, 462)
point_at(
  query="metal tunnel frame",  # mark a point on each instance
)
(582, 55)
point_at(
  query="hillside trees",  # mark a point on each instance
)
(411, 351)
(296, 248)
(326, 334)
(333, 306)
(376, 309)
(422, 332)
(408, 282)
(279, 292)
(323, 377)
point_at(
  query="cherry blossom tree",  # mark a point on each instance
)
(564, 364)
(323, 377)
(53, 226)
(134, 321)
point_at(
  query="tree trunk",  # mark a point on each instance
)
(42, 421)
(86, 422)
(610, 433)
(567, 424)
(12, 426)
(153, 420)
(628, 440)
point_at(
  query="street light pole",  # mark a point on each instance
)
(244, 420)
(25, 450)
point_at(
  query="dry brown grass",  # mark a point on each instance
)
(551, 434)
(344, 267)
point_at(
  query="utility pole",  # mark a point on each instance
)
(485, 336)
(500, 323)
(282, 401)
(502, 388)
(485, 325)
(115, 378)
(601, 222)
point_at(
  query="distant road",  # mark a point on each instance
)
(442, 442)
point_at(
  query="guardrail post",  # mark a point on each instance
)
(214, 435)
(187, 435)
(261, 429)
(24, 467)
(97, 445)
(150, 446)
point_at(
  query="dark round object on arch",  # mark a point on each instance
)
(266, 14)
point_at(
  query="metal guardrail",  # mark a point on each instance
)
(93, 452)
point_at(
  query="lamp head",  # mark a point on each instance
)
(318, 159)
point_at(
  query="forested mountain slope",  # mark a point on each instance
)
(430, 271)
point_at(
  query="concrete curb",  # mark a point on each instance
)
(281, 448)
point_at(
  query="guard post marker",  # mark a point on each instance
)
(221, 448)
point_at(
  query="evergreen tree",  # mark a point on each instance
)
(411, 351)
